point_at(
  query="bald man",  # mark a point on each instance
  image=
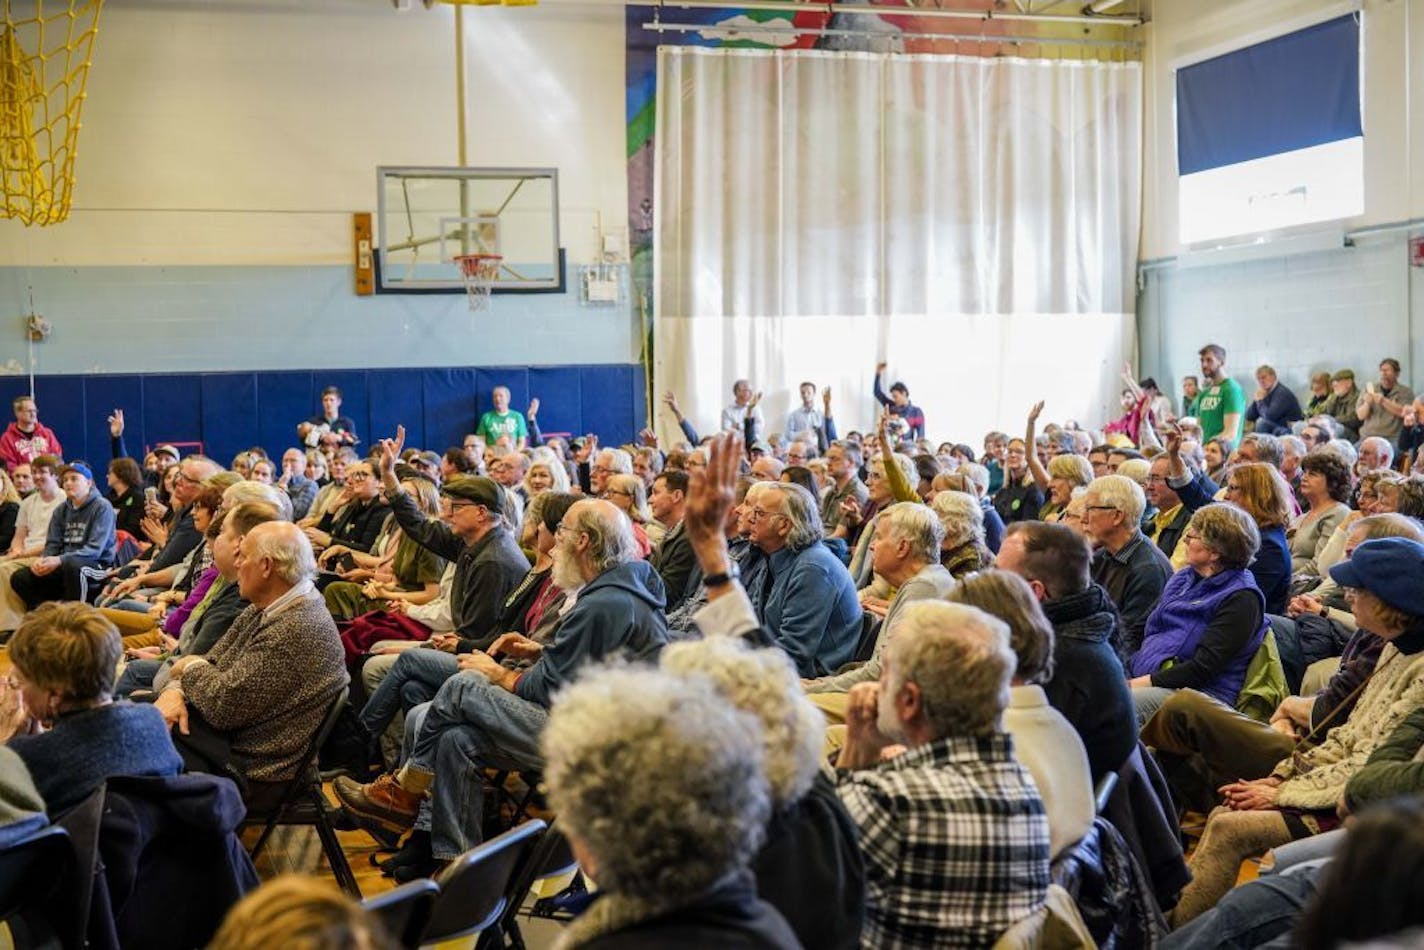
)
(265, 687)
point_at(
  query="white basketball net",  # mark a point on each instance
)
(479, 272)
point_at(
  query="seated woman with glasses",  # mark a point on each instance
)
(630, 496)
(1211, 618)
(1262, 492)
(76, 736)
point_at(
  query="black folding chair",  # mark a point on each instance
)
(552, 857)
(405, 911)
(33, 871)
(300, 801)
(474, 888)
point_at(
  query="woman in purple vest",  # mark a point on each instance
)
(1211, 618)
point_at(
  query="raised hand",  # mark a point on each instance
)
(390, 454)
(533, 408)
(826, 396)
(1174, 440)
(880, 367)
(116, 423)
(711, 493)
(1034, 412)
(670, 401)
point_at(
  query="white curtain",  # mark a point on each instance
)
(972, 221)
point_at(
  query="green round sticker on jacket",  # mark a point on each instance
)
(1016, 504)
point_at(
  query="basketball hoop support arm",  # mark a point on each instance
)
(460, 82)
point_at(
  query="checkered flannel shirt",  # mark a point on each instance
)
(955, 840)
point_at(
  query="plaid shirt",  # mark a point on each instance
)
(955, 840)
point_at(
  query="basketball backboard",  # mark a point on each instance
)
(429, 216)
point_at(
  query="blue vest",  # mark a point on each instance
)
(1175, 627)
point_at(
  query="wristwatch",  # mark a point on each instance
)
(726, 577)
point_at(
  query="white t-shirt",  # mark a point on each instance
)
(35, 514)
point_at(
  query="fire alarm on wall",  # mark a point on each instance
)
(1416, 251)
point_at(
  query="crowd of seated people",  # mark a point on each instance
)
(1231, 591)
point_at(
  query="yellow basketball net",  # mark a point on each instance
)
(45, 51)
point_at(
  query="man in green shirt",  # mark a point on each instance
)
(503, 421)
(1221, 407)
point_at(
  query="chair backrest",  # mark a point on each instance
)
(306, 769)
(405, 911)
(474, 888)
(552, 857)
(32, 868)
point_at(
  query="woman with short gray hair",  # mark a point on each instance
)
(1211, 619)
(810, 868)
(963, 550)
(660, 785)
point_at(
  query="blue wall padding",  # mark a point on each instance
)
(229, 412)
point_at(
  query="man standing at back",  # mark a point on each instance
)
(805, 420)
(744, 406)
(26, 438)
(503, 420)
(330, 428)
(1221, 407)
(953, 830)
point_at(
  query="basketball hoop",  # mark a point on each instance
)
(479, 272)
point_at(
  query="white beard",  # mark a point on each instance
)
(565, 572)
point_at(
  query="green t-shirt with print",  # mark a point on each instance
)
(1213, 405)
(494, 424)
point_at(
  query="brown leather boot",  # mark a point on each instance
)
(383, 801)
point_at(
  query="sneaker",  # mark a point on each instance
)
(383, 801)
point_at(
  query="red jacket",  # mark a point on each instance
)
(17, 448)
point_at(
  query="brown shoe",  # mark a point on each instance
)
(383, 801)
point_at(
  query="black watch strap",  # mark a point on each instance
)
(726, 577)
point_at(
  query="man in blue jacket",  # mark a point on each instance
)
(489, 716)
(81, 534)
(807, 601)
(1274, 406)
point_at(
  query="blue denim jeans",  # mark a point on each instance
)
(471, 725)
(1251, 915)
(138, 674)
(414, 679)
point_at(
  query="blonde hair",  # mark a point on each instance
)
(297, 912)
(1008, 597)
(633, 487)
(8, 493)
(1073, 469)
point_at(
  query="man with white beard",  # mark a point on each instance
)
(489, 716)
(953, 829)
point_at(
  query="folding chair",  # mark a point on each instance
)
(553, 857)
(33, 871)
(300, 801)
(474, 888)
(405, 911)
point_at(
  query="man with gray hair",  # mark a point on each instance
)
(1374, 453)
(953, 830)
(593, 475)
(490, 716)
(905, 553)
(265, 687)
(843, 460)
(1260, 447)
(807, 602)
(1130, 568)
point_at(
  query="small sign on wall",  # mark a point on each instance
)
(1416, 251)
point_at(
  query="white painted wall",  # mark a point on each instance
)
(246, 133)
(1325, 310)
(1184, 32)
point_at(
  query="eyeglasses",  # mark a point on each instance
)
(184, 476)
(1156, 479)
(1191, 535)
(358, 476)
(1099, 508)
(756, 514)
